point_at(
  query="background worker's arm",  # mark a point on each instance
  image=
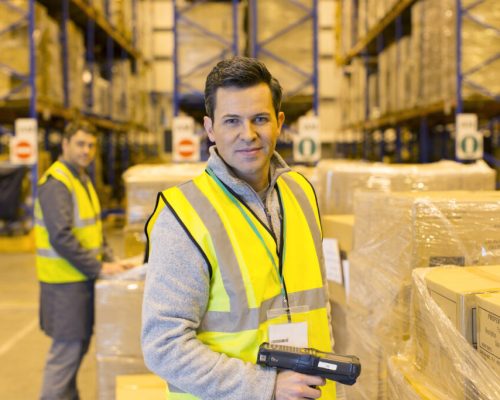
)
(57, 207)
(175, 299)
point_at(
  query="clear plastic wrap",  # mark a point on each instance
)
(440, 354)
(143, 182)
(339, 180)
(118, 317)
(395, 233)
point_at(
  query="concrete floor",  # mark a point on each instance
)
(23, 346)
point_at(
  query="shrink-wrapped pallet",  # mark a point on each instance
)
(118, 317)
(440, 353)
(340, 180)
(143, 182)
(395, 233)
(118, 309)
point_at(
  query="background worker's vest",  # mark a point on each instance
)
(245, 283)
(87, 228)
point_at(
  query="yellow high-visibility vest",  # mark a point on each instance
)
(243, 254)
(87, 228)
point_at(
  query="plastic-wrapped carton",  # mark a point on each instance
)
(143, 182)
(341, 179)
(118, 318)
(440, 352)
(488, 328)
(395, 233)
(454, 290)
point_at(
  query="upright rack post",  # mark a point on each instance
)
(260, 46)
(183, 74)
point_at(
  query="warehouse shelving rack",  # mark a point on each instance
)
(185, 95)
(294, 103)
(118, 44)
(427, 117)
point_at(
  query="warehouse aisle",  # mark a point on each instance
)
(23, 346)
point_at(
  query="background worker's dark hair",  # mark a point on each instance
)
(78, 125)
(240, 72)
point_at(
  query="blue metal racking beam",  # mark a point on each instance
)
(230, 47)
(310, 78)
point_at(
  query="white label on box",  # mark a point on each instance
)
(332, 260)
(489, 337)
(448, 306)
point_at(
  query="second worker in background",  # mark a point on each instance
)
(70, 253)
(235, 256)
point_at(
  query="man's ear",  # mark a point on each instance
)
(207, 123)
(64, 144)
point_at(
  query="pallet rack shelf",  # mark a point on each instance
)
(103, 43)
(436, 115)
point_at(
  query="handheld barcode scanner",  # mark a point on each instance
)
(339, 368)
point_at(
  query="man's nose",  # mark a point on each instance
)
(248, 131)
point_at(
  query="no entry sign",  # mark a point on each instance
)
(23, 146)
(186, 145)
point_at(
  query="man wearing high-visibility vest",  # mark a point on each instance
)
(70, 254)
(235, 256)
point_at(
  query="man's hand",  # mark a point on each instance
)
(291, 385)
(111, 268)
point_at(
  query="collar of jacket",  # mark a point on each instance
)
(240, 187)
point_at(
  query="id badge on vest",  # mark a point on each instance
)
(289, 326)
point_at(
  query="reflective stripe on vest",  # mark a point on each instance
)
(244, 284)
(87, 229)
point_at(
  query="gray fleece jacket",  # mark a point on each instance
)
(176, 296)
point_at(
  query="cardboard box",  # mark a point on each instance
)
(454, 290)
(488, 328)
(108, 368)
(118, 317)
(143, 387)
(135, 240)
(340, 227)
(405, 381)
(143, 182)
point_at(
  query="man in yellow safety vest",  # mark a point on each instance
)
(235, 256)
(70, 254)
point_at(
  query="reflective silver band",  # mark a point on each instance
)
(51, 253)
(227, 261)
(250, 319)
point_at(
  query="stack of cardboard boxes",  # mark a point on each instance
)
(118, 332)
(143, 182)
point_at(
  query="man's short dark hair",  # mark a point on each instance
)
(240, 72)
(78, 125)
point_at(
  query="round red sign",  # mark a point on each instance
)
(23, 149)
(186, 147)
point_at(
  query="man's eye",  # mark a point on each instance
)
(261, 120)
(231, 121)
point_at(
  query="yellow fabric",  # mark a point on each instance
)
(53, 268)
(260, 283)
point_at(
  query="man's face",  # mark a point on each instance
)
(80, 149)
(245, 130)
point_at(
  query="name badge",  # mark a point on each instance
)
(289, 326)
(293, 334)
